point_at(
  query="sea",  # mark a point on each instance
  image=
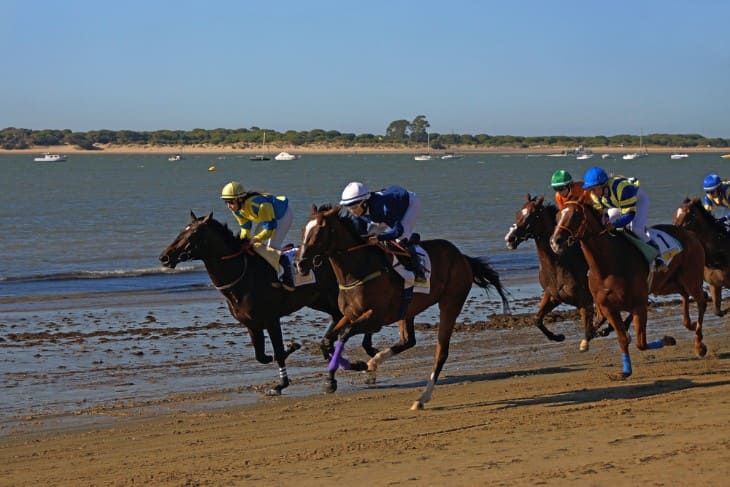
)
(80, 241)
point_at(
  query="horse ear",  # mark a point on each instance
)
(539, 200)
(192, 215)
(528, 198)
(210, 215)
(314, 209)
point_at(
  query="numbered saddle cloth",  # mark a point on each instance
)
(299, 279)
(668, 246)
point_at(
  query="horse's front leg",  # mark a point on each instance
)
(700, 348)
(280, 354)
(586, 317)
(337, 361)
(716, 293)
(407, 340)
(614, 317)
(547, 304)
(640, 318)
(257, 340)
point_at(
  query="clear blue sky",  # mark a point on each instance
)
(497, 67)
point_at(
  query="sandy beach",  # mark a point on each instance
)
(324, 149)
(511, 409)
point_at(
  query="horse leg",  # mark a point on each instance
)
(701, 299)
(547, 304)
(280, 354)
(407, 340)
(257, 340)
(614, 317)
(716, 292)
(586, 316)
(337, 360)
(367, 345)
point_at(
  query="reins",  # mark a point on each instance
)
(244, 248)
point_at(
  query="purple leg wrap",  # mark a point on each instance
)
(336, 357)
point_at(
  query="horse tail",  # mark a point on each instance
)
(485, 276)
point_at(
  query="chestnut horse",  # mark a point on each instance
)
(692, 215)
(372, 293)
(563, 277)
(251, 287)
(619, 275)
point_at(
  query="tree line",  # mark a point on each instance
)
(399, 133)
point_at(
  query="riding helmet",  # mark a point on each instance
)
(354, 193)
(232, 190)
(712, 182)
(560, 179)
(595, 176)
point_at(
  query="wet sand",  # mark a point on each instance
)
(511, 409)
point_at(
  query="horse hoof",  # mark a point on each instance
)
(669, 341)
(417, 406)
(359, 366)
(273, 392)
(701, 350)
(371, 378)
(293, 347)
(330, 386)
(583, 345)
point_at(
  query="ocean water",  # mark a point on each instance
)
(89, 317)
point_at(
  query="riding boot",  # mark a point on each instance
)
(287, 279)
(418, 271)
(659, 264)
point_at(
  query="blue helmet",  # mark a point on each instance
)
(712, 182)
(594, 177)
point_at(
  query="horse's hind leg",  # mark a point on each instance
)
(701, 299)
(716, 292)
(547, 304)
(586, 316)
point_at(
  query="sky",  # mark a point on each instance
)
(515, 67)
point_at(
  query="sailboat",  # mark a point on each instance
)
(642, 150)
(261, 157)
(178, 156)
(426, 156)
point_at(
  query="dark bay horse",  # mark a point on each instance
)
(619, 275)
(251, 289)
(563, 277)
(692, 215)
(372, 292)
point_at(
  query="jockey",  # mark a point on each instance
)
(393, 206)
(568, 190)
(271, 214)
(626, 202)
(717, 197)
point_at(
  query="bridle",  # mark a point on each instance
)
(191, 248)
(580, 232)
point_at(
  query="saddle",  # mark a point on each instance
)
(660, 244)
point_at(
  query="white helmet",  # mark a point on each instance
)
(354, 193)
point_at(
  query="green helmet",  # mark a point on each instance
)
(560, 179)
(232, 190)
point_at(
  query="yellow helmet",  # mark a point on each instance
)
(232, 190)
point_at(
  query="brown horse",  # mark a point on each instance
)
(251, 287)
(619, 275)
(716, 241)
(563, 277)
(372, 293)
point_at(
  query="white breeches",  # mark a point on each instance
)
(282, 227)
(411, 216)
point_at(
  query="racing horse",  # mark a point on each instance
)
(619, 276)
(563, 277)
(372, 293)
(251, 288)
(716, 241)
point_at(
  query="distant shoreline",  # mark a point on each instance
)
(323, 150)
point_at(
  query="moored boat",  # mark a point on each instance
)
(48, 157)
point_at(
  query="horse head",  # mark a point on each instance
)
(575, 222)
(195, 241)
(529, 221)
(693, 216)
(325, 233)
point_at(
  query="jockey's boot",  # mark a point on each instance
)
(660, 265)
(418, 273)
(287, 279)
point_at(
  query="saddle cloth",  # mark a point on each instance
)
(668, 245)
(299, 279)
(409, 278)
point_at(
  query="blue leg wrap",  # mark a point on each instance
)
(626, 361)
(656, 344)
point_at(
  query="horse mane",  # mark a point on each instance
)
(226, 232)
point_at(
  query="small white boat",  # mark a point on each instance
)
(679, 156)
(423, 157)
(607, 156)
(725, 156)
(285, 156)
(451, 155)
(175, 157)
(583, 157)
(48, 157)
(630, 157)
